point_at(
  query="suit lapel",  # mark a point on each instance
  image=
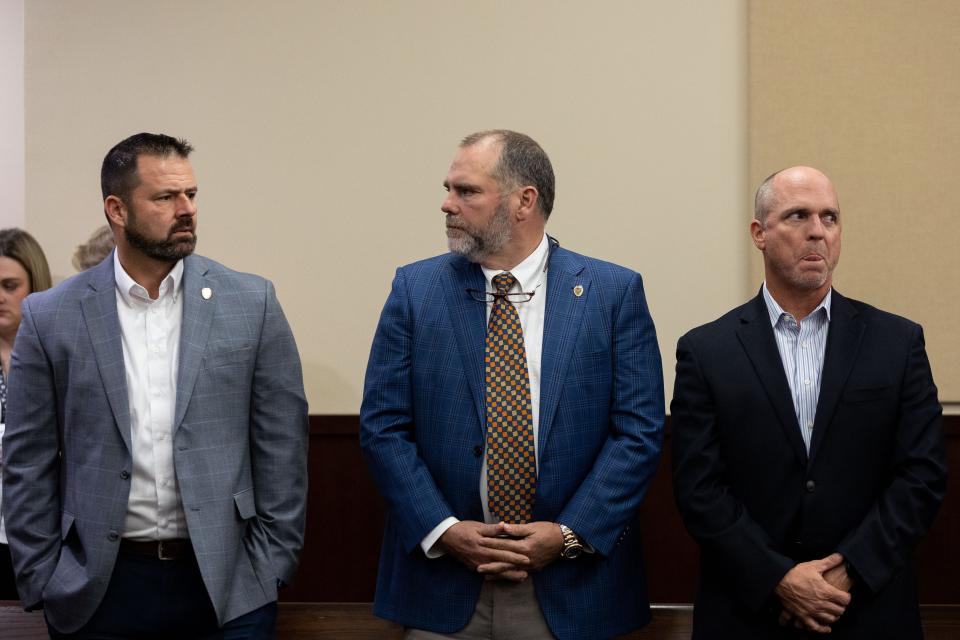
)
(194, 331)
(564, 314)
(468, 318)
(99, 308)
(843, 343)
(756, 338)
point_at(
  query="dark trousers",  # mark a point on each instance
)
(150, 598)
(8, 585)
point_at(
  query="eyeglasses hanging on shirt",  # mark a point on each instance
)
(515, 296)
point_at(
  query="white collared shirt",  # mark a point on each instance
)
(531, 275)
(150, 334)
(802, 347)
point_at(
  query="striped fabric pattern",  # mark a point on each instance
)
(801, 346)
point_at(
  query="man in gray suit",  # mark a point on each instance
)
(155, 452)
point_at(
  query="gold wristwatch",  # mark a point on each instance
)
(572, 547)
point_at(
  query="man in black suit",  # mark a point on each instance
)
(808, 454)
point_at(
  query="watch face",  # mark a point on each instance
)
(572, 552)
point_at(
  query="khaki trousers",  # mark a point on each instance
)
(505, 611)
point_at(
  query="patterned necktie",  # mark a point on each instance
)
(511, 463)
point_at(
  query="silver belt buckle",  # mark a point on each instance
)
(160, 554)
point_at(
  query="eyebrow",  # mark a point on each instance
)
(787, 212)
(447, 184)
(164, 192)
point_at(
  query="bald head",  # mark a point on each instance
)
(800, 178)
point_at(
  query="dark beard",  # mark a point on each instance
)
(167, 250)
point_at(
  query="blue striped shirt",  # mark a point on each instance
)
(801, 349)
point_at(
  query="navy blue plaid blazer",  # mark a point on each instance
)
(601, 428)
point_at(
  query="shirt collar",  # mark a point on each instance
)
(529, 273)
(132, 292)
(776, 311)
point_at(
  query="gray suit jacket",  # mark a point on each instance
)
(240, 441)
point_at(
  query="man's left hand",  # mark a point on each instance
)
(540, 541)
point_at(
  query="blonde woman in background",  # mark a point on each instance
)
(23, 270)
(94, 250)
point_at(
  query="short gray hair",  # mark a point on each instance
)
(522, 162)
(765, 198)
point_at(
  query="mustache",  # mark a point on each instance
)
(186, 225)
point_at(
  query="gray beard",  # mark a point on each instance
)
(476, 245)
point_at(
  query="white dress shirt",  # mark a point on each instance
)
(531, 275)
(802, 346)
(150, 333)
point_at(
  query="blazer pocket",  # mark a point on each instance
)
(223, 358)
(246, 505)
(866, 394)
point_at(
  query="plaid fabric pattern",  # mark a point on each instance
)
(511, 463)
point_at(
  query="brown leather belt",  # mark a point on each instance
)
(160, 549)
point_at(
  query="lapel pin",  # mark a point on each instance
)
(206, 293)
(578, 290)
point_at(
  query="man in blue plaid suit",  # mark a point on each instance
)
(155, 452)
(449, 567)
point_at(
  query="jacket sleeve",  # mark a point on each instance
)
(387, 431)
(278, 442)
(31, 464)
(883, 543)
(712, 514)
(602, 508)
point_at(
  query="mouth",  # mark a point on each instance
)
(813, 257)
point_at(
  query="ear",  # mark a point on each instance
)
(529, 196)
(757, 234)
(115, 210)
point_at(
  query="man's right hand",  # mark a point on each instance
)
(462, 541)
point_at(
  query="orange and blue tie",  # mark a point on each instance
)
(511, 461)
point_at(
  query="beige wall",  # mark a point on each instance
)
(869, 91)
(324, 130)
(12, 184)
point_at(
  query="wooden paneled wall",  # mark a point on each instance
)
(345, 523)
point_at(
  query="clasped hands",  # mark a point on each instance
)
(503, 551)
(815, 594)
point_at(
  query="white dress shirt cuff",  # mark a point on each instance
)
(430, 541)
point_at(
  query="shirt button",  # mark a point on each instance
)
(806, 381)
(809, 424)
(163, 523)
(125, 474)
(155, 349)
(803, 344)
(810, 486)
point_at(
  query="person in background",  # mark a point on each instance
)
(23, 270)
(94, 250)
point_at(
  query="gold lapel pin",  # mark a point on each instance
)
(206, 292)
(578, 290)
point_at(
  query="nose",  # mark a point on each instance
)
(186, 206)
(815, 227)
(449, 206)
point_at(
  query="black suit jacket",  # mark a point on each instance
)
(758, 504)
